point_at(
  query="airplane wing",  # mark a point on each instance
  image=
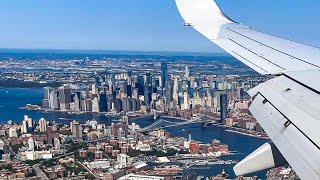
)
(288, 106)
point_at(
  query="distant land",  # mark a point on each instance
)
(108, 52)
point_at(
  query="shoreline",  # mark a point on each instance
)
(138, 116)
(227, 128)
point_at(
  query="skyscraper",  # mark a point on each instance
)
(126, 104)
(175, 90)
(24, 126)
(187, 72)
(164, 74)
(140, 85)
(42, 125)
(76, 98)
(103, 102)
(223, 107)
(186, 104)
(95, 105)
(76, 129)
(54, 100)
(147, 94)
(64, 97)
(148, 79)
(46, 100)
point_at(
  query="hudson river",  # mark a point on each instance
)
(12, 99)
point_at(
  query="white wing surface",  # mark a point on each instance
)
(288, 106)
(262, 52)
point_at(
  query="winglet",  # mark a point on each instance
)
(202, 14)
(265, 157)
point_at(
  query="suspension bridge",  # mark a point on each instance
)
(162, 123)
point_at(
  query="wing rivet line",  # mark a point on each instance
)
(287, 123)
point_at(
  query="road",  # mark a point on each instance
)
(39, 172)
(88, 170)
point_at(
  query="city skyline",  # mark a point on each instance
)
(120, 117)
(154, 26)
(132, 89)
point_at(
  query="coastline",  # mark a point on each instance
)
(137, 116)
(228, 128)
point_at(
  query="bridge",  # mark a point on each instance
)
(161, 123)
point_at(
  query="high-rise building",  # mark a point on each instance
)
(24, 126)
(64, 97)
(147, 94)
(103, 106)
(94, 89)
(42, 125)
(47, 91)
(186, 104)
(13, 132)
(126, 104)
(168, 92)
(76, 129)
(223, 107)
(29, 121)
(88, 105)
(54, 100)
(113, 80)
(109, 102)
(148, 79)
(129, 77)
(140, 85)
(57, 144)
(164, 74)
(46, 100)
(121, 134)
(123, 160)
(175, 95)
(76, 98)
(50, 134)
(186, 73)
(27, 125)
(30, 144)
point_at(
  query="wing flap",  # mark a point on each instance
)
(285, 110)
(294, 146)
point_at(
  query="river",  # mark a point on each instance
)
(11, 99)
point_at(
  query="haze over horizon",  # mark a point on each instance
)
(143, 25)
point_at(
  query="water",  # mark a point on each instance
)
(11, 99)
(244, 145)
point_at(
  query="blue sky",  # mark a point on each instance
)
(143, 24)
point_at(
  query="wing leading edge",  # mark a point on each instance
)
(287, 106)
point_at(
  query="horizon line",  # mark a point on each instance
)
(102, 51)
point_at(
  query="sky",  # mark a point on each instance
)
(143, 25)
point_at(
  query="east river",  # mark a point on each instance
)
(12, 99)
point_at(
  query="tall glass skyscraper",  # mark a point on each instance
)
(223, 107)
(164, 74)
